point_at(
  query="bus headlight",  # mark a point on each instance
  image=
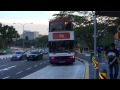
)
(72, 56)
(52, 57)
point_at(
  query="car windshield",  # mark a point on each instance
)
(18, 53)
(33, 52)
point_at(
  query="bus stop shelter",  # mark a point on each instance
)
(102, 13)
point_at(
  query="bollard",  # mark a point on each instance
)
(95, 64)
(93, 59)
(103, 74)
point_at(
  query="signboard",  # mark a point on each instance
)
(61, 35)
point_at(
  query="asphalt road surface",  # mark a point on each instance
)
(33, 69)
(60, 71)
(18, 69)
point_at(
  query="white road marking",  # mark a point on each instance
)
(6, 77)
(19, 72)
(35, 65)
(28, 68)
(7, 68)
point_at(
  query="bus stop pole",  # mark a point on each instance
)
(95, 21)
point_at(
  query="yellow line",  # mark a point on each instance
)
(87, 68)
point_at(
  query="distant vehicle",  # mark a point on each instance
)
(45, 52)
(40, 50)
(19, 55)
(35, 55)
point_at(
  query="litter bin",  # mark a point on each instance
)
(91, 55)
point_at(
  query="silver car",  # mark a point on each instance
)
(19, 55)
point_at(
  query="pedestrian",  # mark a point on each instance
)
(112, 57)
(99, 51)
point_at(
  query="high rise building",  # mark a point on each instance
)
(30, 34)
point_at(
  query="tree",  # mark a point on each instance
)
(84, 26)
(43, 41)
(7, 33)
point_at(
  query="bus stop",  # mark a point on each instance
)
(102, 13)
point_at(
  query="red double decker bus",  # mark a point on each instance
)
(61, 41)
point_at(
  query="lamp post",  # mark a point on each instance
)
(23, 25)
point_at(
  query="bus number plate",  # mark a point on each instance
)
(61, 61)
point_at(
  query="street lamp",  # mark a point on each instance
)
(23, 25)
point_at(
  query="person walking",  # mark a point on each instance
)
(99, 51)
(112, 57)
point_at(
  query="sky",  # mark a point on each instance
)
(39, 19)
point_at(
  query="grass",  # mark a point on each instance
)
(7, 50)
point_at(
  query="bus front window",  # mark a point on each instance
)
(56, 26)
(60, 26)
(61, 46)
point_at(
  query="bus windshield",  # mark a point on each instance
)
(61, 46)
(60, 26)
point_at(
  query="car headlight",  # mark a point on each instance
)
(18, 56)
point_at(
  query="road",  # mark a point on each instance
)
(62, 71)
(18, 69)
(41, 69)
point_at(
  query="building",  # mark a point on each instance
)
(30, 34)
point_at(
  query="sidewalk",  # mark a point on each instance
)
(102, 64)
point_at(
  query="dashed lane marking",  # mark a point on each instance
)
(19, 72)
(35, 65)
(28, 68)
(6, 77)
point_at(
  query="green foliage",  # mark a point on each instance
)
(43, 41)
(84, 27)
(38, 42)
(7, 33)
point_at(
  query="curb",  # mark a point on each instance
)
(6, 58)
(86, 68)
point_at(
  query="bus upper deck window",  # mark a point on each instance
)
(67, 25)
